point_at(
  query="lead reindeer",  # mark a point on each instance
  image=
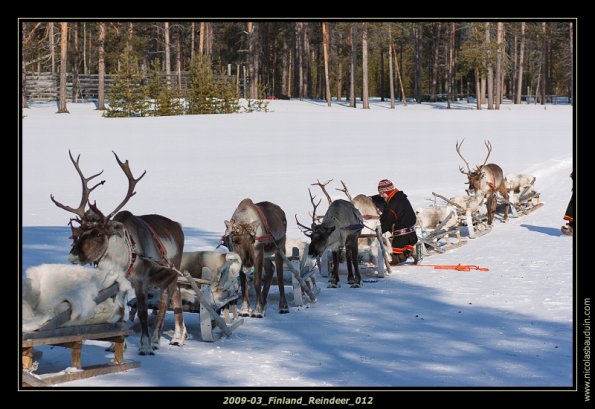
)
(340, 228)
(144, 248)
(257, 231)
(486, 180)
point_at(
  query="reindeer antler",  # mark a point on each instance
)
(80, 211)
(489, 147)
(322, 185)
(131, 184)
(458, 145)
(344, 190)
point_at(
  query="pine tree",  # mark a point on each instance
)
(128, 96)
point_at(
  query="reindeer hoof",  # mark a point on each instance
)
(333, 285)
(350, 280)
(257, 315)
(146, 353)
(356, 285)
(284, 310)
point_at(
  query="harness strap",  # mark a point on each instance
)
(133, 254)
(268, 237)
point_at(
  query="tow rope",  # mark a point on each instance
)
(458, 267)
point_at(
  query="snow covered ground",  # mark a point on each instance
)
(418, 327)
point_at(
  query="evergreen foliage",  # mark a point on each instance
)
(127, 96)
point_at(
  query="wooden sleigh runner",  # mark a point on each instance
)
(54, 332)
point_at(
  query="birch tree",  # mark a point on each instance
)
(101, 68)
(63, 67)
(365, 102)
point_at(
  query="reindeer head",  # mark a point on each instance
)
(90, 239)
(240, 238)
(318, 233)
(474, 177)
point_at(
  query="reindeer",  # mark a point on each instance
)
(144, 248)
(371, 214)
(255, 232)
(340, 228)
(486, 180)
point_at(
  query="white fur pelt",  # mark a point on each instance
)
(50, 289)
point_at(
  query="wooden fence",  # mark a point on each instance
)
(45, 86)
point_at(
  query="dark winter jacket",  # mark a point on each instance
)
(398, 212)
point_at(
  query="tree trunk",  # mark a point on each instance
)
(201, 41)
(52, 40)
(299, 27)
(326, 41)
(253, 60)
(85, 69)
(101, 68)
(435, 64)
(571, 37)
(391, 80)
(192, 40)
(179, 64)
(167, 54)
(63, 67)
(366, 103)
(451, 63)
(417, 55)
(75, 63)
(499, 51)
(519, 84)
(352, 103)
(477, 89)
(307, 67)
(544, 70)
(381, 74)
(483, 88)
(490, 68)
(339, 80)
(403, 96)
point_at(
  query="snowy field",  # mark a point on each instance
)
(418, 327)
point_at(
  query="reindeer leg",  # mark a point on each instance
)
(283, 308)
(143, 316)
(163, 304)
(354, 252)
(268, 277)
(334, 280)
(180, 333)
(349, 261)
(258, 311)
(504, 193)
(245, 310)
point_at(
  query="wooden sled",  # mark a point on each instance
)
(438, 240)
(54, 333)
(210, 319)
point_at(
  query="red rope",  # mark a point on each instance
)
(458, 267)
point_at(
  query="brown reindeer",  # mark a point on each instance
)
(255, 232)
(340, 228)
(486, 180)
(144, 248)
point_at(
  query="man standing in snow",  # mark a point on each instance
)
(399, 218)
(568, 229)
